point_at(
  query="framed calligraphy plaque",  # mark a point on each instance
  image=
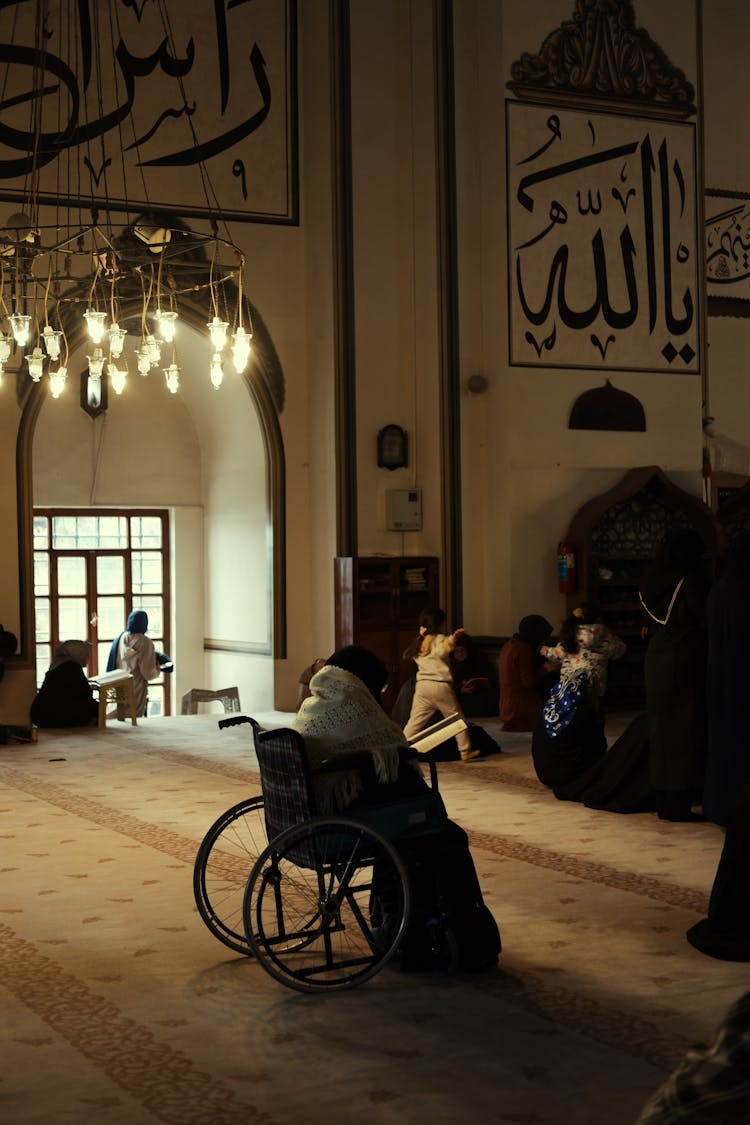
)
(603, 254)
(727, 237)
(135, 106)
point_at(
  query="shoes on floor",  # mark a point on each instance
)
(470, 755)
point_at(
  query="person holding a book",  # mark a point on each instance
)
(434, 689)
(343, 715)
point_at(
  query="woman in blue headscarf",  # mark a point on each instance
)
(134, 652)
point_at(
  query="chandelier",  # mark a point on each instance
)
(79, 258)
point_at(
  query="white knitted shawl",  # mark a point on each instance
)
(339, 717)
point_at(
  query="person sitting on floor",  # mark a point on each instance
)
(65, 699)
(570, 755)
(568, 738)
(475, 683)
(342, 715)
(523, 674)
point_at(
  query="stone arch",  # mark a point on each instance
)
(264, 380)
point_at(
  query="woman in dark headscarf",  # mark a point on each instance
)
(725, 933)
(523, 673)
(728, 762)
(65, 699)
(673, 595)
(473, 678)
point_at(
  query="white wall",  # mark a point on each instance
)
(200, 454)
(525, 473)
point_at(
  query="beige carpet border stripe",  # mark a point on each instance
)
(184, 848)
(628, 1033)
(163, 1080)
(613, 1027)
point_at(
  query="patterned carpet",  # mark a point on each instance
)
(119, 1007)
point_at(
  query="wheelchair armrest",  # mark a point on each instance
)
(233, 721)
(356, 759)
(410, 754)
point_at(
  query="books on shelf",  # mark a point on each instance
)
(415, 577)
(439, 732)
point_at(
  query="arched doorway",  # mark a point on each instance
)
(215, 460)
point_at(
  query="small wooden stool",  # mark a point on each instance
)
(114, 686)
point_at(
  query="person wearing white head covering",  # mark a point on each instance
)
(65, 699)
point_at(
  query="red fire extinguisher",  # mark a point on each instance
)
(566, 568)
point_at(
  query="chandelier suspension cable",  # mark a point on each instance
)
(242, 337)
(100, 266)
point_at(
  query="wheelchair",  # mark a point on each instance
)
(321, 902)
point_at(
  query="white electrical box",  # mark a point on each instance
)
(403, 509)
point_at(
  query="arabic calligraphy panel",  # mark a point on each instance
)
(727, 236)
(602, 241)
(131, 108)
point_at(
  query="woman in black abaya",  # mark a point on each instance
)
(728, 762)
(725, 933)
(573, 761)
(673, 594)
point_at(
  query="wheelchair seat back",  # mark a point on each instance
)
(285, 780)
(289, 797)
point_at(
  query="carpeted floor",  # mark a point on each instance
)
(119, 1007)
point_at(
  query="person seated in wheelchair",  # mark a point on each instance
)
(343, 715)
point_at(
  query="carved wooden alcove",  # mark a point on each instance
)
(732, 505)
(616, 535)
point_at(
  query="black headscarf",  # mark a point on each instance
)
(680, 554)
(363, 664)
(737, 561)
(534, 629)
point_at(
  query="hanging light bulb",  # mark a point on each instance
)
(51, 341)
(20, 325)
(116, 340)
(144, 359)
(57, 381)
(154, 350)
(218, 331)
(217, 371)
(172, 375)
(241, 349)
(167, 323)
(117, 377)
(36, 363)
(5, 346)
(95, 321)
(96, 363)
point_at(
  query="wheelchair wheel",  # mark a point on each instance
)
(326, 905)
(226, 856)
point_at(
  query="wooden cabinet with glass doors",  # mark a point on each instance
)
(378, 600)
